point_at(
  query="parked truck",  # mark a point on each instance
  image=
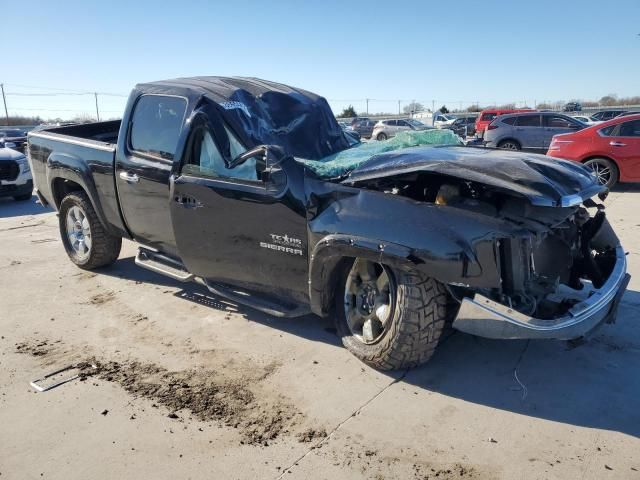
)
(251, 188)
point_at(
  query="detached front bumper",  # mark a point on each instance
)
(486, 318)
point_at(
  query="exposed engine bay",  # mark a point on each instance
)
(566, 254)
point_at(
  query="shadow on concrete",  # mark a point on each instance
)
(626, 187)
(595, 384)
(310, 327)
(12, 208)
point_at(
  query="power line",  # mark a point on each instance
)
(78, 92)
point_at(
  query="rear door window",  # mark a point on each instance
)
(156, 124)
(528, 121)
(630, 129)
(486, 117)
(556, 121)
(509, 120)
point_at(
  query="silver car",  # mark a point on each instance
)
(388, 128)
(528, 131)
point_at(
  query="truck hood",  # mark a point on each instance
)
(543, 180)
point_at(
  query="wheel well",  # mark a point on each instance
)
(62, 187)
(601, 156)
(509, 140)
(331, 271)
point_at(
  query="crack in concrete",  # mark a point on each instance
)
(355, 413)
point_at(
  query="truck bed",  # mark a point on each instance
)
(102, 132)
(78, 156)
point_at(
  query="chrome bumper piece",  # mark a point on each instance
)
(486, 318)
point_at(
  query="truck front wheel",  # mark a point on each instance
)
(389, 319)
(84, 238)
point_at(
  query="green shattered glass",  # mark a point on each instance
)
(341, 163)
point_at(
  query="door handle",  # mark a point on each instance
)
(187, 201)
(617, 144)
(129, 177)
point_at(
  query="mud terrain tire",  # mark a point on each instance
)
(417, 320)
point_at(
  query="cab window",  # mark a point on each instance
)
(205, 158)
(156, 124)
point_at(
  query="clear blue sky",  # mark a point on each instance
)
(450, 51)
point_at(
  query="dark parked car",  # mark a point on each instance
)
(463, 126)
(17, 137)
(364, 127)
(528, 131)
(626, 114)
(203, 174)
(572, 107)
(605, 115)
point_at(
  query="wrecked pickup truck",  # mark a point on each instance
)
(252, 189)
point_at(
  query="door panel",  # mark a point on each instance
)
(238, 231)
(144, 169)
(529, 132)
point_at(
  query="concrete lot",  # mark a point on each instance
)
(275, 398)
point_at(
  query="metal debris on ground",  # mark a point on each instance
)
(36, 384)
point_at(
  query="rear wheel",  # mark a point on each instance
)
(388, 318)
(605, 170)
(84, 238)
(509, 145)
(381, 136)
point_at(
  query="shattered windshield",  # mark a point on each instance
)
(341, 163)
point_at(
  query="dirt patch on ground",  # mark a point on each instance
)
(311, 434)
(37, 348)
(205, 395)
(101, 298)
(202, 394)
(457, 470)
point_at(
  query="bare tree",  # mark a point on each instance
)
(413, 107)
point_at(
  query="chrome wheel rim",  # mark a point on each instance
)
(78, 232)
(602, 172)
(369, 300)
(509, 146)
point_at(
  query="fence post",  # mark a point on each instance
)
(95, 94)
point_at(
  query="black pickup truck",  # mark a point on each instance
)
(251, 188)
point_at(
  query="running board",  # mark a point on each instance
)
(258, 303)
(159, 263)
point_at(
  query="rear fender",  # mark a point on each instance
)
(74, 169)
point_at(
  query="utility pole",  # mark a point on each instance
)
(398, 107)
(367, 106)
(95, 94)
(433, 106)
(4, 99)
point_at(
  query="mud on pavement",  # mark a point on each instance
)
(203, 394)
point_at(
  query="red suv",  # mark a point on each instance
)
(611, 149)
(487, 115)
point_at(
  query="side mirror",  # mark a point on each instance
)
(259, 153)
